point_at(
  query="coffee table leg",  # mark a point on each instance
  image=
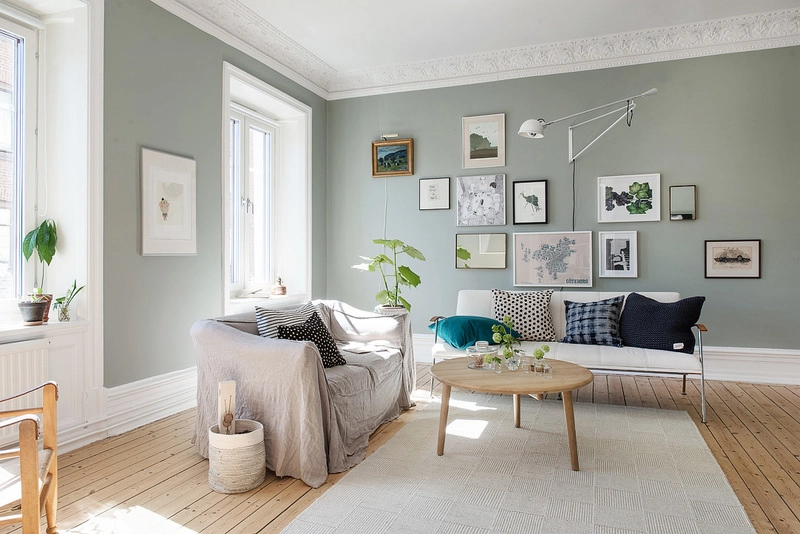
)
(569, 415)
(516, 411)
(445, 407)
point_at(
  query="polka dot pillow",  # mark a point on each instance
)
(530, 311)
(314, 330)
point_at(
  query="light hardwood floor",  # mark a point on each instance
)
(151, 480)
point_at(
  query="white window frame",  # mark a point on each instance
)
(27, 141)
(291, 190)
(246, 207)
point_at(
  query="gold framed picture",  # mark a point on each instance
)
(393, 158)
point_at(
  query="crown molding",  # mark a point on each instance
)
(237, 25)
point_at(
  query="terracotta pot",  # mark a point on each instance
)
(46, 298)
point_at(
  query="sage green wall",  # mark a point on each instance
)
(163, 90)
(725, 123)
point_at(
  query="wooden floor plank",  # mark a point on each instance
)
(752, 430)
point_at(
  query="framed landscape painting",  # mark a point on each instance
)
(629, 198)
(483, 141)
(617, 254)
(530, 202)
(553, 259)
(393, 158)
(733, 259)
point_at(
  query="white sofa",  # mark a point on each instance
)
(598, 357)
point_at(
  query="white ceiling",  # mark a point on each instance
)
(357, 34)
(347, 48)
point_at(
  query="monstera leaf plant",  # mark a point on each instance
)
(41, 240)
(393, 275)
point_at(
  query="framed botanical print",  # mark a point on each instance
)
(629, 198)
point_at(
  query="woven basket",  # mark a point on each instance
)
(237, 462)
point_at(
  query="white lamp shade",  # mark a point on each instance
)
(533, 128)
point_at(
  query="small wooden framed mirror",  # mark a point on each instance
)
(682, 202)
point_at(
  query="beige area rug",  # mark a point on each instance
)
(642, 470)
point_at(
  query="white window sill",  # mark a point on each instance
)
(247, 304)
(13, 331)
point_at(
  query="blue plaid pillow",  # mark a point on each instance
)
(594, 323)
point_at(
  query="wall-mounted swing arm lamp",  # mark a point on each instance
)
(534, 128)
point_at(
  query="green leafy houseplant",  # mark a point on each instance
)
(393, 275)
(41, 239)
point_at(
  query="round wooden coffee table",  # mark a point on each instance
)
(566, 378)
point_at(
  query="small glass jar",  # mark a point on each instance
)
(474, 358)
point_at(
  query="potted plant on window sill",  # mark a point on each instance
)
(41, 240)
(62, 303)
(397, 275)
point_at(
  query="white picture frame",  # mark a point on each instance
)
(483, 141)
(629, 198)
(168, 204)
(562, 259)
(617, 254)
(481, 200)
(434, 193)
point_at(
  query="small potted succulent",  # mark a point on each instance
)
(397, 275)
(62, 303)
(41, 240)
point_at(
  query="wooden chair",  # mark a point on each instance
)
(30, 479)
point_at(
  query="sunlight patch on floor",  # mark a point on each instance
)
(467, 428)
(135, 520)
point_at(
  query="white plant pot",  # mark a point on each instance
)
(237, 462)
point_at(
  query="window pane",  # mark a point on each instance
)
(235, 202)
(257, 186)
(10, 165)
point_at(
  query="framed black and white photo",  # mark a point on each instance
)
(617, 254)
(733, 259)
(530, 202)
(434, 193)
(483, 141)
(553, 259)
(629, 198)
(481, 200)
(168, 210)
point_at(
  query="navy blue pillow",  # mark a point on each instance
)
(594, 323)
(649, 324)
(462, 331)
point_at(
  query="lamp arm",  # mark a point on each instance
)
(629, 99)
(573, 158)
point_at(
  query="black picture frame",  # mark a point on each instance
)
(737, 258)
(529, 201)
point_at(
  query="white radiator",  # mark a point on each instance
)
(23, 365)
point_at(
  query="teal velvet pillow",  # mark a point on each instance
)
(462, 331)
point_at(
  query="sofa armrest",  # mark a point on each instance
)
(279, 383)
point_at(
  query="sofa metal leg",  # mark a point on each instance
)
(683, 392)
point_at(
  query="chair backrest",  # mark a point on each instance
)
(36, 480)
